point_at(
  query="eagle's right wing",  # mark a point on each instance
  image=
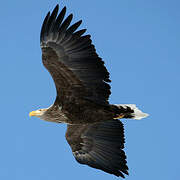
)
(99, 145)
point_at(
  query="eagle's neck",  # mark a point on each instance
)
(55, 114)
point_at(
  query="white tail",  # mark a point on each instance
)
(137, 114)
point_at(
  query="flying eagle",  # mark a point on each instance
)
(95, 134)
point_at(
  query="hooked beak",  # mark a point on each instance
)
(35, 113)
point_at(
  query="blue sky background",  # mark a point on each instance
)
(140, 43)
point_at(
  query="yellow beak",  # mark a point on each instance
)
(34, 113)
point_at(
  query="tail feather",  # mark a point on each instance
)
(130, 111)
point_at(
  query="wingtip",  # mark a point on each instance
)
(57, 5)
(64, 9)
(71, 16)
(56, 9)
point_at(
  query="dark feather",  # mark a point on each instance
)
(51, 21)
(43, 29)
(74, 27)
(99, 145)
(78, 72)
(59, 20)
(79, 33)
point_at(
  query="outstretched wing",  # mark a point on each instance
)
(99, 146)
(71, 59)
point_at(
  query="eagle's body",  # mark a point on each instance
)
(85, 113)
(95, 135)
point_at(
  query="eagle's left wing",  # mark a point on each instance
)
(99, 145)
(70, 57)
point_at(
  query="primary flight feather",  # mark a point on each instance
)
(95, 134)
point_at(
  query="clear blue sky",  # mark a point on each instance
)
(140, 43)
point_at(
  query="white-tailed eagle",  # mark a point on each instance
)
(95, 134)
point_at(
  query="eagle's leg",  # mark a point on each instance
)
(120, 116)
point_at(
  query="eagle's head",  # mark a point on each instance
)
(51, 114)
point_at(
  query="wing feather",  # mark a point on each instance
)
(51, 21)
(99, 146)
(71, 59)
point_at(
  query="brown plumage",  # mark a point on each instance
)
(81, 80)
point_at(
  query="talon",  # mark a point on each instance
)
(119, 116)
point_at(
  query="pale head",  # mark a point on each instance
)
(51, 114)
